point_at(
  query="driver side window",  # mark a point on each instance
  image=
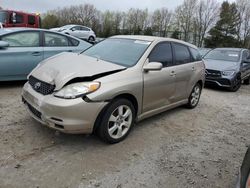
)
(162, 53)
(22, 39)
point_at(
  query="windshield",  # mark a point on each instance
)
(204, 51)
(3, 16)
(224, 55)
(125, 52)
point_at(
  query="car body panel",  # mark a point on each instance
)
(78, 116)
(19, 66)
(50, 72)
(17, 62)
(154, 91)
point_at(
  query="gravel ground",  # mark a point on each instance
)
(202, 147)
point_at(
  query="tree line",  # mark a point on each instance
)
(201, 22)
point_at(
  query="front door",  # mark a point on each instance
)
(22, 55)
(159, 86)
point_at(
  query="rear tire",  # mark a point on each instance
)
(117, 121)
(247, 81)
(194, 97)
(91, 39)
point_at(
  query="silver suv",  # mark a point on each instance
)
(111, 85)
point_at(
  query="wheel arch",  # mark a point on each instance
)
(127, 96)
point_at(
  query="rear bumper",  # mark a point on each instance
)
(65, 115)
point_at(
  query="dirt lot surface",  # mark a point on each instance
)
(203, 147)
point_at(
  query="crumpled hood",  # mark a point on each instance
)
(62, 68)
(220, 65)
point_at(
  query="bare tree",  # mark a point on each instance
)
(160, 21)
(207, 12)
(243, 28)
(185, 16)
(136, 20)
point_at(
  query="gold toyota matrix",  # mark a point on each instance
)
(118, 81)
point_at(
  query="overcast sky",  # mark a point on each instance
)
(41, 6)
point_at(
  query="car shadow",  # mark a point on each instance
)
(12, 84)
(215, 87)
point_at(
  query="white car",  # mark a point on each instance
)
(79, 31)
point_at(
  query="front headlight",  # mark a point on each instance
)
(76, 90)
(228, 73)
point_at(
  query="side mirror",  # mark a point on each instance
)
(4, 44)
(73, 29)
(153, 66)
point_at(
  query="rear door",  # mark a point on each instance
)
(84, 33)
(55, 43)
(76, 31)
(22, 55)
(159, 86)
(185, 69)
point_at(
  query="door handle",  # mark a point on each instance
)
(36, 53)
(172, 73)
(193, 69)
(70, 50)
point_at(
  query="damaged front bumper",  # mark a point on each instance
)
(65, 115)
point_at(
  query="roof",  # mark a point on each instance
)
(234, 49)
(152, 39)
(16, 29)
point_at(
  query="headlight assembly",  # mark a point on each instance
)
(76, 90)
(228, 73)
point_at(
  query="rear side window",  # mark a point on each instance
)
(31, 20)
(162, 53)
(182, 54)
(196, 54)
(85, 29)
(22, 39)
(53, 40)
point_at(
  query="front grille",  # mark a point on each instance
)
(34, 111)
(40, 86)
(213, 73)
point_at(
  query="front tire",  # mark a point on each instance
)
(117, 121)
(194, 97)
(237, 84)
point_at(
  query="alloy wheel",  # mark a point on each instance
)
(120, 121)
(195, 96)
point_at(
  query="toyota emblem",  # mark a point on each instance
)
(37, 85)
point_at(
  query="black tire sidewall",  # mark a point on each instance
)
(103, 128)
(236, 86)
